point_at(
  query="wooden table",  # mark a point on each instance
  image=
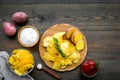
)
(100, 23)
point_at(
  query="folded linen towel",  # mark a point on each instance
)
(5, 72)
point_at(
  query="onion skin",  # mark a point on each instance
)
(9, 29)
(19, 17)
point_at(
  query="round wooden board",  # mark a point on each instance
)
(60, 28)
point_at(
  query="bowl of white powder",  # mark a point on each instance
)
(28, 36)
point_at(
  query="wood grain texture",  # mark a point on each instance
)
(59, 1)
(85, 16)
(50, 32)
(100, 23)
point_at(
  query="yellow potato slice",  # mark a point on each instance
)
(80, 44)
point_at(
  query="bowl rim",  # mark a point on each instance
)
(86, 74)
(30, 70)
(28, 26)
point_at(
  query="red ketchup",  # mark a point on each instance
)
(89, 68)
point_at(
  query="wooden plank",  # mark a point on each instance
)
(107, 71)
(59, 1)
(86, 17)
(98, 22)
(101, 44)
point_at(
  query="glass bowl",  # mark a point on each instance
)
(28, 71)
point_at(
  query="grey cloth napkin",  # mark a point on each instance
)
(5, 72)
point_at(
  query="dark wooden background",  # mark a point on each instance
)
(60, 1)
(99, 20)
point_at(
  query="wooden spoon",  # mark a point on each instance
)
(39, 66)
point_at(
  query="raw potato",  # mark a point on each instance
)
(19, 17)
(76, 36)
(9, 29)
(70, 31)
(80, 44)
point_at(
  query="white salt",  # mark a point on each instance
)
(28, 36)
(39, 66)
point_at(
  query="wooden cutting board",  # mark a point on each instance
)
(60, 28)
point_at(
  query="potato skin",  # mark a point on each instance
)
(9, 29)
(70, 31)
(19, 17)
